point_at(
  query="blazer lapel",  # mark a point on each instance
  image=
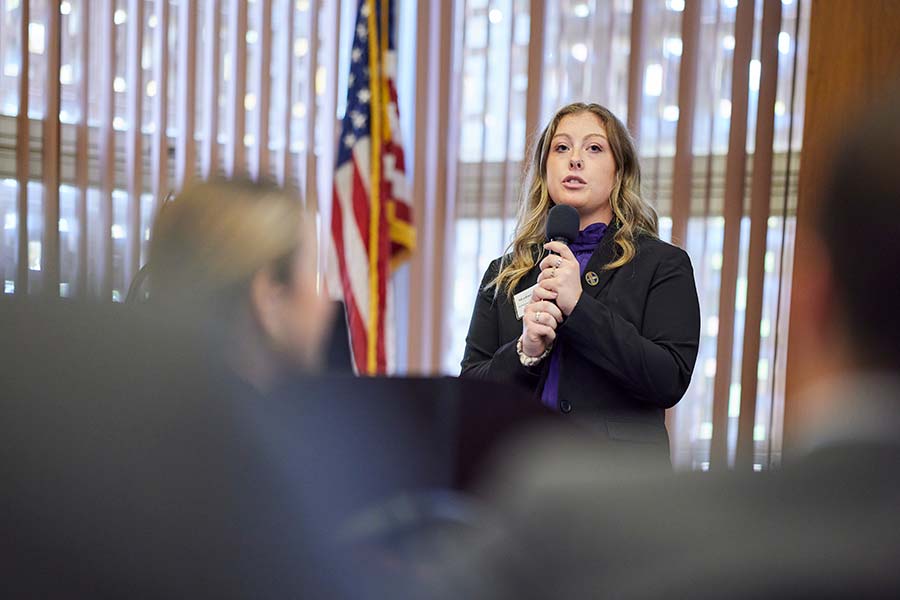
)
(595, 277)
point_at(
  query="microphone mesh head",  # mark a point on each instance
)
(562, 223)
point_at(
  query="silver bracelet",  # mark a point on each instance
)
(530, 361)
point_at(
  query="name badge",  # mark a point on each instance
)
(523, 299)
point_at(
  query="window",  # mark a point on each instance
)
(126, 70)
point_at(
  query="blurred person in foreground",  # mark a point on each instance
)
(237, 261)
(826, 525)
(604, 330)
(144, 449)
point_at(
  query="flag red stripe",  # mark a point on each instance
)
(384, 254)
(356, 324)
(392, 91)
(403, 212)
(361, 206)
(392, 147)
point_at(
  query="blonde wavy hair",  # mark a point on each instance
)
(214, 236)
(634, 216)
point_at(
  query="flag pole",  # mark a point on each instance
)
(374, 187)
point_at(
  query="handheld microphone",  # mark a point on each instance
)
(562, 224)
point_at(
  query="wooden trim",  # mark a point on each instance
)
(667, 17)
(186, 148)
(236, 159)
(160, 152)
(434, 170)
(535, 71)
(504, 183)
(842, 79)
(444, 169)
(419, 310)
(310, 162)
(265, 89)
(683, 162)
(107, 152)
(636, 69)
(322, 188)
(134, 147)
(683, 169)
(284, 166)
(593, 53)
(760, 201)
(212, 72)
(50, 269)
(329, 107)
(81, 149)
(609, 82)
(484, 105)
(733, 211)
(23, 155)
(774, 441)
(707, 189)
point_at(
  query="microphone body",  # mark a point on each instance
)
(562, 224)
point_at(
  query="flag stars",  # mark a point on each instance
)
(356, 54)
(361, 32)
(364, 96)
(359, 119)
(351, 80)
(349, 140)
(364, 9)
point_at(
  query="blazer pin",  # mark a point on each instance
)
(591, 278)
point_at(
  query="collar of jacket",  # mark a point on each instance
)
(603, 255)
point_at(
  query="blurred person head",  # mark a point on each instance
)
(239, 258)
(584, 158)
(848, 271)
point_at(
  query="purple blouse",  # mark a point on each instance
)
(583, 247)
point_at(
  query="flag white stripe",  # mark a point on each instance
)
(396, 177)
(356, 255)
(362, 154)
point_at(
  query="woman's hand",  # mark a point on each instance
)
(561, 274)
(539, 322)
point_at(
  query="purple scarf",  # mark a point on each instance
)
(583, 247)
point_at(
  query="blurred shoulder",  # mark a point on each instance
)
(652, 249)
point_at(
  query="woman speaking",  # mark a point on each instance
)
(606, 328)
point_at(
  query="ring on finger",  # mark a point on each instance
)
(558, 263)
(537, 317)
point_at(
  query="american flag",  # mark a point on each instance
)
(371, 219)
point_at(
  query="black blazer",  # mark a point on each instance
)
(628, 347)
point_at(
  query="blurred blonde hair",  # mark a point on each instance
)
(633, 214)
(214, 236)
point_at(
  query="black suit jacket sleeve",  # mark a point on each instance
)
(485, 356)
(654, 364)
